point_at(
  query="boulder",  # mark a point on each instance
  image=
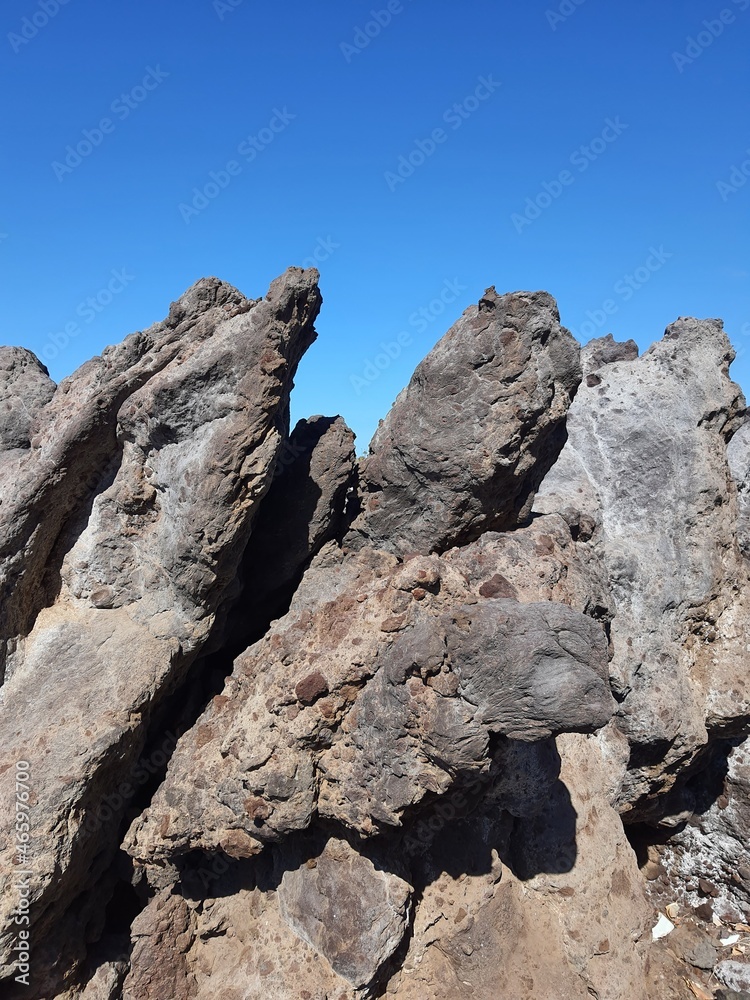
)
(467, 443)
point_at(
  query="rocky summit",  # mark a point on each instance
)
(464, 718)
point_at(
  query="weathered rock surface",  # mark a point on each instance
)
(25, 389)
(347, 910)
(467, 443)
(713, 847)
(304, 509)
(407, 716)
(646, 462)
(180, 426)
(383, 684)
(738, 454)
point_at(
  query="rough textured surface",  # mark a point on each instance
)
(712, 847)
(738, 454)
(347, 910)
(468, 441)
(25, 388)
(141, 567)
(303, 510)
(373, 692)
(301, 738)
(646, 462)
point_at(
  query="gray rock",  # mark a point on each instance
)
(482, 420)
(354, 914)
(646, 461)
(187, 420)
(604, 351)
(738, 454)
(714, 845)
(25, 389)
(735, 975)
(304, 509)
(694, 946)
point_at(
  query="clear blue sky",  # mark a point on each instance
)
(316, 124)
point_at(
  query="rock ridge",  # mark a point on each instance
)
(461, 718)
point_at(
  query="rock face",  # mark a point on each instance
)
(458, 720)
(138, 493)
(646, 463)
(346, 910)
(469, 440)
(372, 693)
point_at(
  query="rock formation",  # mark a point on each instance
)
(461, 719)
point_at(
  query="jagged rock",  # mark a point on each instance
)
(603, 351)
(25, 389)
(738, 454)
(349, 911)
(712, 848)
(419, 672)
(734, 974)
(106, 983)
(694, 946)
(412, 783)
(646, 462)
(138, 493)
(162, 935)
(467, 443)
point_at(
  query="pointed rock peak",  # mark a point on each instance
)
(606, 351)
(702, 340)
(25, 387)
(285, 296)
(205, 294)
(469, 440)
(17, 361)
(514, 301)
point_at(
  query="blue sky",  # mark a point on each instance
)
(424, 150)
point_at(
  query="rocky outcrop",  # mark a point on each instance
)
(384, 684)
(304, 509)
(738, 454)
(469, 440)
(176, 432)
(460, 719)
(646, 464)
